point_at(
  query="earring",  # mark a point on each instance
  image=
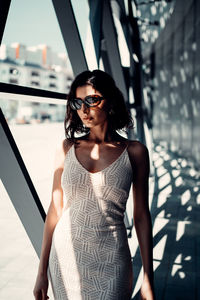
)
(111, 112)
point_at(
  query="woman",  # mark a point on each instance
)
(85, 249)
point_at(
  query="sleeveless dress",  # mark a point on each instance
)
(90, 257)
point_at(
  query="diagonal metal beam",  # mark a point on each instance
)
(110, 36)
(70, 33)
(96, 8)
(4, 9)
(28, 91)
(19, 186)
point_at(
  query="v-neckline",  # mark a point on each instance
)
(121, 154)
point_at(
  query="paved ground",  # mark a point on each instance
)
(175, 206)
(18, 260)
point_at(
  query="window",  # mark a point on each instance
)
(35, 83)
(12, 80)
(52, 85)
(13, 71)
(52, 76)
(34, 73)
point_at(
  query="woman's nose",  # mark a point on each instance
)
(84, 107)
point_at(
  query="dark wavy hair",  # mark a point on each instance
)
(118, 115)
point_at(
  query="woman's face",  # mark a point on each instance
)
(91, 116)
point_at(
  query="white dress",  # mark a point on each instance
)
(90, 257)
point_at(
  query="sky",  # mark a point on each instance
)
(34, 22)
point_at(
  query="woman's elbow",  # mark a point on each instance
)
(140, 219)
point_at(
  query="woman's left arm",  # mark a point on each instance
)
(139, 158)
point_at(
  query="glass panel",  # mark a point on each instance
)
(33, 52)
(81, 12)
(152, 18)
(173, 80)
(123, 48)
(20, 109)
(18, 259)
(37, 144)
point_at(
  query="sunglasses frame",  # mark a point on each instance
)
(96, 103)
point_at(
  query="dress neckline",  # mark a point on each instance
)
(111, 164)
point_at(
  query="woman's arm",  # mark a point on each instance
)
(139, 157)
(53, 215)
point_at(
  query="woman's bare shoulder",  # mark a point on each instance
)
(61, 152)
(66, 145)
(138, 152)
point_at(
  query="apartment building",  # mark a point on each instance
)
(37, 67)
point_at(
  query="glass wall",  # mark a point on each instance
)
(32, 54)
(174, 81)
(37, 144)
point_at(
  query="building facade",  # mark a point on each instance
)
(37, 67)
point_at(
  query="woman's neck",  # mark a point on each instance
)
(101, 135)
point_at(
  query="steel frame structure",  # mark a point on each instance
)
(20, 189)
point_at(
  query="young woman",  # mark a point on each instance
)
(85, 250)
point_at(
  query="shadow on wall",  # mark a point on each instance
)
(175, 210)
(175, 81)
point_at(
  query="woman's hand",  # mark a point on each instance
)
(41, 287)
(146, 291)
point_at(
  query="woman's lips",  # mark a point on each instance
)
(87, 119)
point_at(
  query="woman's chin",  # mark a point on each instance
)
(88, 122)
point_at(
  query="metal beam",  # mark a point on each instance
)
(23, 90)
(137, 75)
(110, 36)
(4, 9)
(70, 33)
(19, 186)
(37, 99)
(96, 8)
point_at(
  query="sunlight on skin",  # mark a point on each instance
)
(95, 152)
(94, 118)
(56, 195)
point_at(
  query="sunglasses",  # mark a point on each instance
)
(89, 101)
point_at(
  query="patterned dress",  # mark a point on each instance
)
(90, 258)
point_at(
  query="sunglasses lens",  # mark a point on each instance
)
(75, 104)
(92, 100)
(89, 101)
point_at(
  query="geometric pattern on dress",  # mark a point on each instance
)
(90, 258)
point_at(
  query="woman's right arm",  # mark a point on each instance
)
(52, 218)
